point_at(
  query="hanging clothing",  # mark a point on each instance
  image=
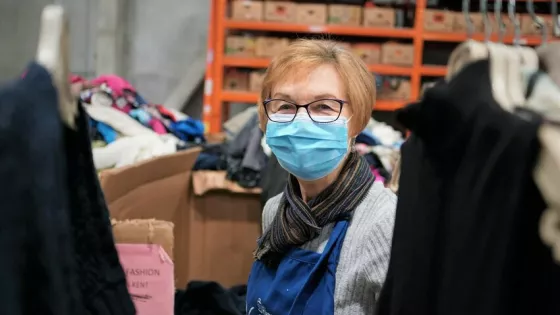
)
(466, 232)
(364, 254)
(303, 283)
(59, 254)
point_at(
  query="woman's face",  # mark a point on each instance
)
(323, 82)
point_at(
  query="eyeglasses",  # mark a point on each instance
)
(321, 111)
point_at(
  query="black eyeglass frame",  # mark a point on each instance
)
(306, 106)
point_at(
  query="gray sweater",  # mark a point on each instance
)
(365, 252)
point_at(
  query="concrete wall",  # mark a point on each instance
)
(162, 38)
(165, 37)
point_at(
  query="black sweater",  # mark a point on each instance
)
(58, 252)
(466, 231)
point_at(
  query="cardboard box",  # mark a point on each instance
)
(438, 21)
(395, 89)
(312, 14)
(379, 17)
(460, 24)
(144, 231)
(280, 11)
(270, 46)
(236, 80)
(153, 288)
(528, 27)
(341, 14)
(161, 188)
(205, 181)
(240, 46)
(509, 28)
(256, 80)
(247, 10)
(369, 53)
(397, 54)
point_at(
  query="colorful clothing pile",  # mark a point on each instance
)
(116, 92)
(125, 128)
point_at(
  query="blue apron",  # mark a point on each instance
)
(303, 283)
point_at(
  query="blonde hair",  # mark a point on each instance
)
(306, 54)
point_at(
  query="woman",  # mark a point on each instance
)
(326, 242)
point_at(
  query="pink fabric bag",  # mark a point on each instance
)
(149, 276)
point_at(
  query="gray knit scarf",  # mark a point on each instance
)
(297, 222)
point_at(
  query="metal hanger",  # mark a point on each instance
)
(503, 64)
(546, 92)
(500, 26)
(532, 67)
(538, 21)
(549, 53)
(546, 96)
(517, 56)
(529, 58)
(52, 53)
(468, 51)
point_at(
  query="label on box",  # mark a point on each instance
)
(149, 276)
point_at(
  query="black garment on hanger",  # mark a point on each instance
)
(58, 255)
(466, 232)
(101, 277)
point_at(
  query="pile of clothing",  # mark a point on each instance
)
(380, 144)
(125, 128)
(242, 155)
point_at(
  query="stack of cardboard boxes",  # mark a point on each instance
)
(390, 53)
(454, 22)
(312, 13)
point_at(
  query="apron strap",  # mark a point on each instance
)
(334, 244)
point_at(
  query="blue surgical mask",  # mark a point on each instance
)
(307, 149)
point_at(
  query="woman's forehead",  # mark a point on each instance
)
(321, 82)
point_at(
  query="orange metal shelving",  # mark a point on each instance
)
(207, 99)
(261, 63)
(216, 97)
(318, 29)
